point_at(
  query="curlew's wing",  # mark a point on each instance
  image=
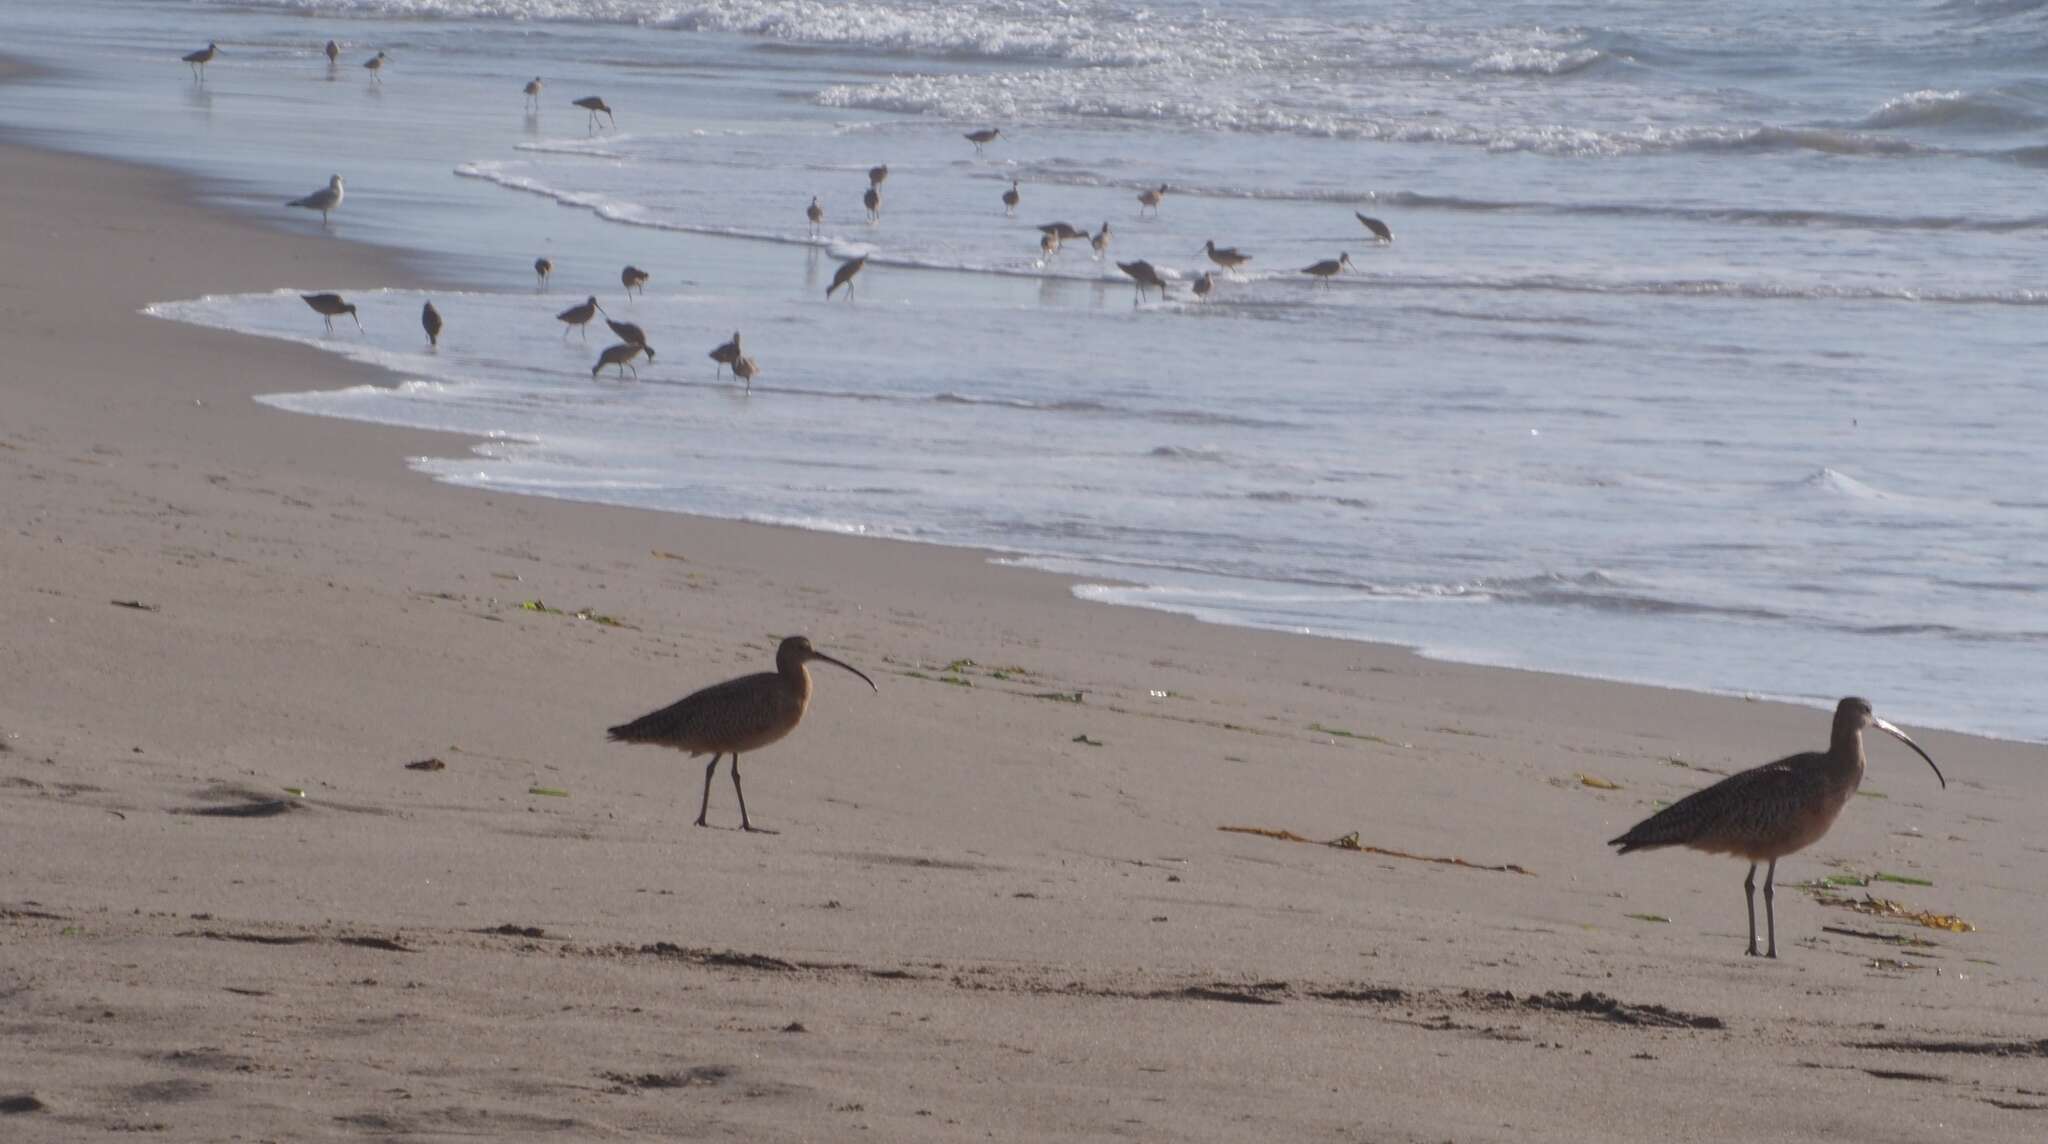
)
(1734, 807)
(698, 716)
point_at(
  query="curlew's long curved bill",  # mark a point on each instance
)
(1901, 736)
(871, 683)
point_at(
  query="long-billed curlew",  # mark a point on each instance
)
(631, 334)
(1011, 198)
(594, 104)
(726, 354)
(542, 267)
(580, 316)
(1150, 200)
(330, 307)
(532, 89)
(746, 369)
(1228, 257)
(620, 355)
(430, 321)
(985, 135)
(1767, 812)
(1099, 241)
(633, 278)
(1205, 284)
(1064, 231)
(199, 59)
(327, 198)
(1328, 268)
(816, 214)
(873, 201)
(376, 65)
(735, 717)
(1145, 275)
(844, 276)
(878, 175)
(1379, 229)
(333, 51)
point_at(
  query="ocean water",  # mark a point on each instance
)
(1709, 351)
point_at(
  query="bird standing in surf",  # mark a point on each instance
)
(199, 59)
(324, 200)
(844, 276)
(330, 307)
(430, 321)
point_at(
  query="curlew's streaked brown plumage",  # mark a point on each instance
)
(633, 278)
(1064, 231)
(746, 369)
(333, 51)
(726, 354)
(580, 316)
(1099, 241)
(542, 267)
(1379, 229)
(1204, 285)
(736, 717)
(1146, 276)
(844, 276)
(430, 321)
(1768, 812)
(1150, 199)
(1328, 268)
(327, 198)
(631, 334)
(985, 135)
(376, 66)
(1228, 257)
(199, 59)
(873, 201)
(621, 355)
(816, 214)
(330, 307)
(878, 175)
(532, 89)
(593, 104)
(1011, 198)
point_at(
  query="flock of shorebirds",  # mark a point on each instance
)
(1762, 814)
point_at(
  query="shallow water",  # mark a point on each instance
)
(1706, 353)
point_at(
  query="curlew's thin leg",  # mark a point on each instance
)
(708, 772)
(1749, 893)
(1770, 908)
(744, 824)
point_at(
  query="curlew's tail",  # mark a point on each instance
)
(1658, 830)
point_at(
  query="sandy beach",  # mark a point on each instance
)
(1001, 904)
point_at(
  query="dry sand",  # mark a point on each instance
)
(1000, 905)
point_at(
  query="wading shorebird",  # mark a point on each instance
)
(333, 51)
(631, 334)
(593, 105)
(1150, 200)
(735, 717)
(1328, 268)
(633, 278)
(1204, 284)
(376, 65)
(1228, 257)
(1010, 199)
(532, 89)
(1064, 231)
(1048, 245)
(620, 355)
(1100, 241)
(878, 175)
(873, 201)
(330, 307)
(1767, 812)
(580, 316)
(326, 199)
(1146, 276)
(985, 135)
(199, 59)
(542, 267)
(430, 321)
(816, 214)
(844, 276)
(745, 368)
(726, 354)
(1379, 229)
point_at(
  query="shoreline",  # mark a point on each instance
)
(1000, 882)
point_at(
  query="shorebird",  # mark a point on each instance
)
(1767, 812)
(333, 51)
(1011, 198)
(1151, 199)
(1328, 268)
(746, 370)
(844, 276)
(816, 214)
(738, 716)
(1063, 231)
(1100, 241)
(542, 267)
(376, 65)
(878, 175)
(620, 355)
(1228, 257)
(324, 200)
(726, 354)
(330, 307)
(593, 105)
(1048, 245)
(579, 317)
(1204, 285)
(985, 135)
(533, 87)
(1145, 275)
(632, 278)
(199, 59)
(430, 321)
(631, 334)
(873, 201)
(1378, 228)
